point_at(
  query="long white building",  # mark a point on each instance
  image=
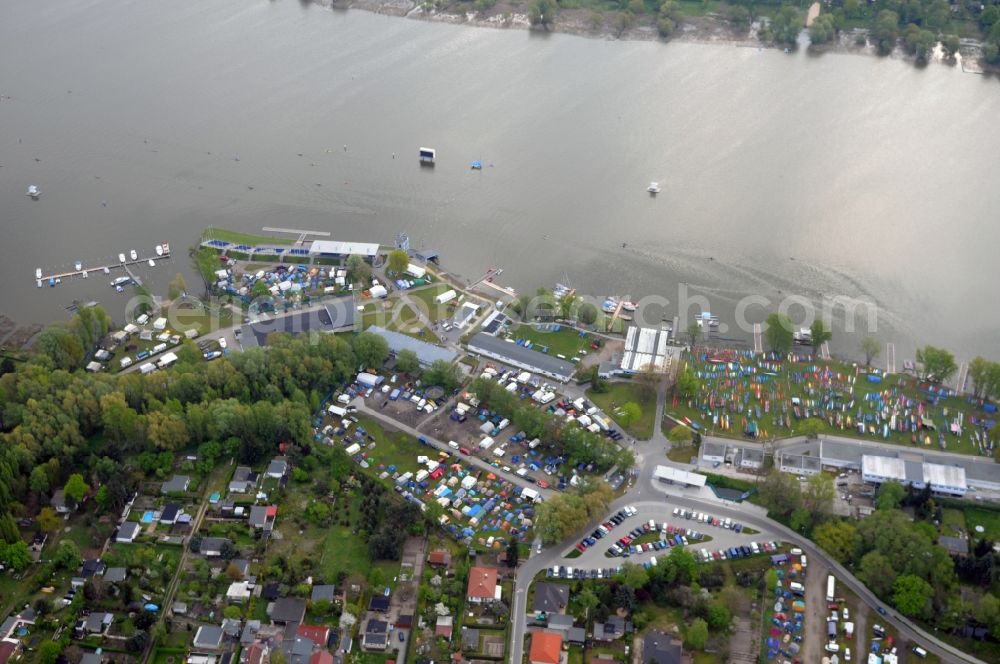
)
(941, 479)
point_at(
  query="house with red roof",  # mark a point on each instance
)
(483, 586)
(318, 634)
(546, 648)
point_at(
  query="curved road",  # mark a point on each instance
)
(648, 493)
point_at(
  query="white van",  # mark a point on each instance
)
(919, 652)
(452, 444)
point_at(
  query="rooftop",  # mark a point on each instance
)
(521, 356)
(336, 248)
(546, 648)
(426, 352)
(646, 349)
(671, 474)
(482, 583)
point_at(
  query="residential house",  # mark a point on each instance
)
(170, 513)
(255, 653)
(176, 484)
(8, 648)
(277, 469)
(563, 625)
(546, 648)
(318, 634)
(231, 627)
(249, 634)
(322, 657)
(115, 575)
(242, 565)
(97, 622)
(444, 626)
(323, 593)
(262, 517)
(439, 558)
(483, 586)
(58, 502)
(287, 610)
(956, 546)
(550, 598)
(208, 637)
(271, 591)
(470, 639)
(378, 603)
(239, 592)
(297, 650)
(376, 635)
(212, 547)
(613, 628)
(127, 532)
(91, 567)
(660, 648)
(244, 480)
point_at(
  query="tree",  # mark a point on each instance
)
(951, 44)
(693, 331)
(444, 374)
(370, 349)
(398, 261)
(771, 580)
(811, 427)
(718, 616)
(542, 13)
(407, 362)
(779, 326)
(918, 42)
(912, 596)
(680, 436)
(48, 520)
(938, 363)
(166, 432)
(206, 262)
(358, 270)
(838, 538)
(669, 17)
(76, 488)
(177, 287)
(877, 572)
(688, 383)
(624, 597)
(890, 495)
(985, 376)
(49, 651)
(886, 31)
(260, 290)
(566, 304)
(587, 313)
(67, 555)
(513, 553)
(16, 556)
(822, 29)
(786, 25)
(870, 347)
(697, 634)
(819, 332)
(232, 612)
(780, 492)
(818, 495)
(38, 481)
(587, 600)
(633, 575)
(628, 414)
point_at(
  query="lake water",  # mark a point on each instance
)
(839, 175)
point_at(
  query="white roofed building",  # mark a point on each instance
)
(332, 248)
(647, 349)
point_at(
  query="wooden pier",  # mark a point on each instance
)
(302, 235)
(95, 270)
(890, 358)
(758, 339)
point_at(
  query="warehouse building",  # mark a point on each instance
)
(647, 349)
(948, 480)
(510, 353)
(426, 352)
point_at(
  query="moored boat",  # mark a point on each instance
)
(159, 250)
(133, 255)
(78, 265)
(653, 188)
(34, 191)
(121, 258)
(38, 273)
(152, 263)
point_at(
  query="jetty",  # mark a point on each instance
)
(302, 235)
(890, 358)
(758, 340)
(95, 270)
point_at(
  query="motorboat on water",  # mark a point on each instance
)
(630, 305)
(121, 258)
(653, 188)
(39, 282)
(84, 274)
(610, 305)
(159, 250)
(166, 248)
(120, 281)
(152, 263)
(34, 191)
(38, 273)
(476, 165)
(78, 265)
(133, 255)
(120, 289)
(107, 270)
(52, 282)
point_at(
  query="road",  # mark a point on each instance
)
(649, 495)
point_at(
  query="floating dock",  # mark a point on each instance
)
(94, 270)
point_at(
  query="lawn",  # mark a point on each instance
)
(952, 520)
(552, 338)
(682, 454)
(620, 393)
(988, 519)
(243, 238)
(432, 309)
(393, 448)
(769, 398)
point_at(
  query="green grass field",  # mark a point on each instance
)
(620, 393)
(988, 519)
(243, 238)
(736, 391)
(425, 296)
(565, 341)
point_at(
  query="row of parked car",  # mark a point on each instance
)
(735, 552)
(670, 536)
(605, 528)
(701, 517)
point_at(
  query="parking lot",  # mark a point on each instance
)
(671, 523)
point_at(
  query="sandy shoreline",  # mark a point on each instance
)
(694, 29)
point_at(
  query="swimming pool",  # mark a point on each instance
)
(147, 517)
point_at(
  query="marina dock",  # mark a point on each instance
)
(94, 270)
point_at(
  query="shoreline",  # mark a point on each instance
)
(706, 29)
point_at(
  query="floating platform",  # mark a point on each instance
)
(99, 269)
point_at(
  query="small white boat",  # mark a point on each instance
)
(107, 270)
(58, 280)
(119, 289)
(166, 248)
(34, 191)
(84, 274)
(39, 282)
(159, 250)
(38, 273)
(152, 263)
(134, 255)
(653, 188)
(630, 305)
(121, 258)
(78, 265)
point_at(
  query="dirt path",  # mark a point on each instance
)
(859, 647)
(814, 632)
(812, 14)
